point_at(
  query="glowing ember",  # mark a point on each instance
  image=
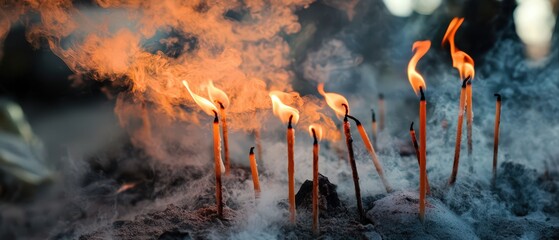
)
(125, 187)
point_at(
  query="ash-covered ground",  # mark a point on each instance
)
(174, 201)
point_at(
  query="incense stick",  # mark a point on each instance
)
(496, 137)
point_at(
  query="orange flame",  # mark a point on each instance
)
(317, 129)
(282, 111)
(205, 104)
(217, 96)
(460, 60)
(335, 101)
(125, 187)
(416, 80)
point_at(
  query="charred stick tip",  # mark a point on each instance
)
(373, 115)
(381, 96)
(498, 96)
(357, 122)
(411, 127)
(469, 80)
(216, 119)
(221, 105)
(314, 136)
(422, 93)
(346, 108)
(290, 120)
(346, 111)
(251, 150)
(465, 82)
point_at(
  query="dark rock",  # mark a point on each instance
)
(175, 235)
(119, 223)
(327, 197)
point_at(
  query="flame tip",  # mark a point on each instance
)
(460, 60)
(335, 101)
(285, 113)
(315, 130)
(419, 48)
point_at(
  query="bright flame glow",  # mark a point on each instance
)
(282, 111)
(399, 8)
(217, 96)
(205, 104)
(460, 60)
(416, 80)
(335, 101)
(317, 129)
(534, 20)
(125, 187)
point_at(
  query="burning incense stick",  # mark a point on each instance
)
(470, 115)
(225, 139)
(254, 170)
(374, 127)
(291, 167)
(313, 130)
(217, 163)
(496, 137)
(291, 116)
(372, 152)
(423, 153)
(339, 104)
(418, 84)
(210, 109)
(381, 111)
(416, 147)
(220, 99)
(349, 143)
(458, 144)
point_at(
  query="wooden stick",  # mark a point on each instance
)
(416, 147)
(469, 110)
(315, 226)
(217, 161)
(496, 137)
(225, 139)
(291, 168)
(349, 143)
(374, 127)
(452, 179)
(423, 154)
(372, 152)
(254, 170)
